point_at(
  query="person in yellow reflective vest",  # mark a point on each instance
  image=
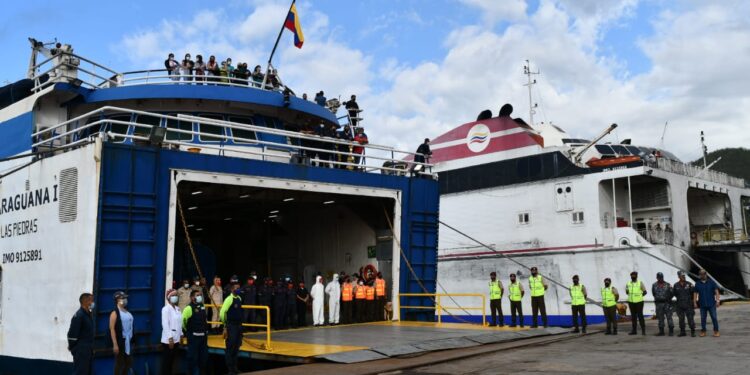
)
(609, 305)
(636, 290)
(515, 294)
(496, 296)
(578, 297)
(537, 287)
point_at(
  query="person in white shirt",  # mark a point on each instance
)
(318, 296)
(333, 289)
(216, 294)
(171, 331)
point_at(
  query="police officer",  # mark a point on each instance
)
(302, 299)
(515, 294)
(81, 335)
(578, 297)
(496, 295)
(635, 291)
(195, 324)
(250, 297)
(291, 304)
(279, 305)
(537, 286)
(231, 315)
(609, 305)
(265, 297)
(683, 292)
(662, 292)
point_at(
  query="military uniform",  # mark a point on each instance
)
(663, 300)
(684, 305)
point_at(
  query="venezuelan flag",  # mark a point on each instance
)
(292, 23)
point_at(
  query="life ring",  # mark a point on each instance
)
(693, 235)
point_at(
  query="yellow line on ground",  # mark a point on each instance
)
(285, 348)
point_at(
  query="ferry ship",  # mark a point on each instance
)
(129, 181)
(515, 196)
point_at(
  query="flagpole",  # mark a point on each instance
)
(273, 51)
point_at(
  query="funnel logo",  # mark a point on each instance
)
(478, 138)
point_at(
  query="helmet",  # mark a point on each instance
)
(119, 295)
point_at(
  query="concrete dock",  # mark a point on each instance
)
(594, 353)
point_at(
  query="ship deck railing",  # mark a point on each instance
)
(387, 160)
(689, 170)
(70, 68)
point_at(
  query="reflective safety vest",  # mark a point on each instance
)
(495, 291)
(635, 294)
(370, 293)
(346, 293)
(514, 291)
(576, 295)
(360, 294)
(380, 287)
(536, 285)
(608, 297)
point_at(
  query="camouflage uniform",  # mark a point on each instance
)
(684, 305)
(663, 300)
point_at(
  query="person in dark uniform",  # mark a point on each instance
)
(81, 335)
(250, 297)
(195, 324)
(291, 305)
(353, 109)
(231, 316)
(662, 292)
(279, 305)
(683, 292)
(302, 299)
(265, 298)
(423, 152)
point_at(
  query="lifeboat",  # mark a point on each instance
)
(609, 162)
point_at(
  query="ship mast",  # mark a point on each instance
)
(527, 71)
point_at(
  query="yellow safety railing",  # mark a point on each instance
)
(267, 325)
(439, 306)
(719, 235)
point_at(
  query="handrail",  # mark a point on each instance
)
(439, 308)
(696, 172)
(267, 326)
(60, 131)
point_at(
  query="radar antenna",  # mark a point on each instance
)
(532, 106)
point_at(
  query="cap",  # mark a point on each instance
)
(493, 273)
(634, 273)
(119, 294)
(659, 275)
(680, 273)
(234, 279)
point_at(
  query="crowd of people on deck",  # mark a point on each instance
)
(212, 71)
(195, 310)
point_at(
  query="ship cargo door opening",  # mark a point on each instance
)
(280, 229)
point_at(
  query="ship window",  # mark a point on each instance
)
(179, 125)
(620, 150)
(604, 149)
(119, 128)
(577, 217)
(242, 133)
(143, 131)
(206, 130)
(634, 150)
(523, 218)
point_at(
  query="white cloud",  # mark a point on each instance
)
(497, 10)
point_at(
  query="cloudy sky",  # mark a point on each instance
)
(422, 67)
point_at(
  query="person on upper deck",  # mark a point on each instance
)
(320, 99)
(423, 152)
(171, 65)
(273, 79)
(257, 76)
(360, 138)
(241, 74)
(186, 67)
(353, 108)
(230, 67)
(212, 68)
(200, 69)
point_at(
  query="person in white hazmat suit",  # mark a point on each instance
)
(333, 289)
(318, 296)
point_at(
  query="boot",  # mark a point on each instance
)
(661, 332)
(575, 330)
(692, 333)
(583, 330)
(682, 333)
(671, 331)
(643, 331)
(614, 332)
(633, 332)
(607, 332)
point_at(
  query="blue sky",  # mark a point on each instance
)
(423, 67)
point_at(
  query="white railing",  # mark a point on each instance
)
(697, 172)
(389, 160)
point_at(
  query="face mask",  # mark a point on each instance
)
(173, 299)
(186, 286)
(361, 283)
(198, 283)
(124, 302)
(255, 277)
(198, 299)
(91, 306)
